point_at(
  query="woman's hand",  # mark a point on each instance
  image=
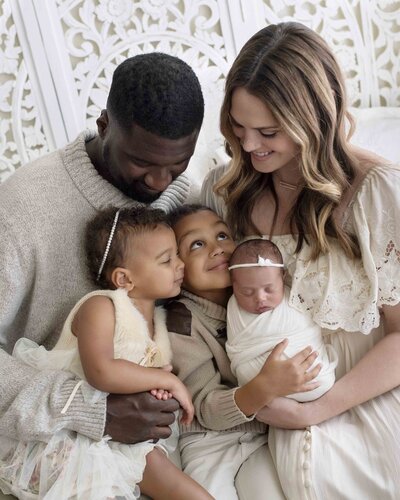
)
(286, 413)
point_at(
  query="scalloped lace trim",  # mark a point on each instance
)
(346, 299)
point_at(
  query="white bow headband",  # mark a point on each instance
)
(261, 262)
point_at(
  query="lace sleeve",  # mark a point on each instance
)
(376, 213)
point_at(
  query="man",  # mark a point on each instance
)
(145, 139)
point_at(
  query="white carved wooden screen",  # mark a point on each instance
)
(57, 58)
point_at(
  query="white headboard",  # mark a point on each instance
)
(57, 59)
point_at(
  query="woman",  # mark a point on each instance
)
(334, 213)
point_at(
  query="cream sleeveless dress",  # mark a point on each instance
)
(357, 454)
(71, 465)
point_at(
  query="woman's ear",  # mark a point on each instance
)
(122, 278)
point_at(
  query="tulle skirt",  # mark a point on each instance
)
(70, 465)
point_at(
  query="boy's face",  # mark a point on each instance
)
(258, 289)
(205, 245)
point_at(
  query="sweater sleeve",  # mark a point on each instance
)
(207, 195)
(200, 361)
(31, 401)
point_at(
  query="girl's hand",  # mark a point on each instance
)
(161, 394)
(281, 376)
(166, 368)
(182, 395)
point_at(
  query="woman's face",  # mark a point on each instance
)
(260, 135)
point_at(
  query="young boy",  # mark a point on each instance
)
(225, 447)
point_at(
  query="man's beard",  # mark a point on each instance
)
(136, 190)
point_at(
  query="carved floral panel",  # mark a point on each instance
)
(21, 133)
(101, 34)
(98, 34)
(364, 35)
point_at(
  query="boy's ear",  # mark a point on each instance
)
(122, 278)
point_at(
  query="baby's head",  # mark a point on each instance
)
(257, 273)
(135, 249)
(205, 245)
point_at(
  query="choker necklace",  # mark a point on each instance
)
(287, 185)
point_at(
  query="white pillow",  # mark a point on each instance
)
(378, 130)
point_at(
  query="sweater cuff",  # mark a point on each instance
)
(230, 409)
(81, 417)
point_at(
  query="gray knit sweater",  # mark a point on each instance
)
(198, 334)
(44, 208)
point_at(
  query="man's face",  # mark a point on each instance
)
(142, 165)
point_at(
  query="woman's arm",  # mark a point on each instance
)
(376, 373)
(94, 326)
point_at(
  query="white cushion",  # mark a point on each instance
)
(378, 130)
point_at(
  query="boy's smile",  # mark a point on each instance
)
(205, 245)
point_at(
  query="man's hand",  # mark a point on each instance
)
(132, 418)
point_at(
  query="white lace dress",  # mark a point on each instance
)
(357, 454)
(71, 465)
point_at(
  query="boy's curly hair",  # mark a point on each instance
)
(184, 210)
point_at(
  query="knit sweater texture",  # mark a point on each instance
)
(44, 209)
(198, 334)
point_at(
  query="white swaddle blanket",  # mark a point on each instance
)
(251, 338)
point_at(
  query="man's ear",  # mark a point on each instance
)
(122, 278)
(102, 123)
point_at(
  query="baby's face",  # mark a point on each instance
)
(258, 289)
(153, 264)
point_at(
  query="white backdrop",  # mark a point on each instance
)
(57, 58)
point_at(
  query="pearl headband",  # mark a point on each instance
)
(108, 244)
(261, 262)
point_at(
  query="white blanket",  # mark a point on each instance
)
(251, 338)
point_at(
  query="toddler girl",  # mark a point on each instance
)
(116, 341)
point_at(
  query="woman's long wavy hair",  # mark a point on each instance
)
(292, 70)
